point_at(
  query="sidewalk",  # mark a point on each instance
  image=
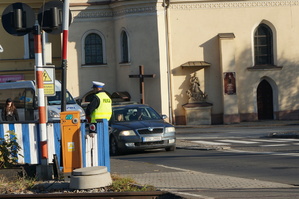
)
(192, 184)
(270, 128)
(246, 124)
(181, 182)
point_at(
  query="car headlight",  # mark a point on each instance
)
(169, 130)
(53, 114)
(127, 133)
(82, 113)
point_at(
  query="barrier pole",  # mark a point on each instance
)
(65, 29)
(41, 94)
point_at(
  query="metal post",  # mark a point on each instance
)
(43, 48)
(141, 82)
(65, 27)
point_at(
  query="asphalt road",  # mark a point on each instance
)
(254, 153)
(252, 165)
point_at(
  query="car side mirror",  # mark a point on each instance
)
(79, 101)
(35, 103)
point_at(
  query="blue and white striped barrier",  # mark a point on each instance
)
(95, 151)
(27, 138)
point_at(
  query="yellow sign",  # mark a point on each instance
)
(49, 89)
(71, 146)
(46, 77)
(49, 80)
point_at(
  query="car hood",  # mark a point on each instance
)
(141, 124)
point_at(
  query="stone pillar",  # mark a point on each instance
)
(229, 80)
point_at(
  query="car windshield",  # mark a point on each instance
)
(122, 114)
(56, 100)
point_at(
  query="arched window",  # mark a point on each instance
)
(263, 45)
(124, 47)
(93, 48)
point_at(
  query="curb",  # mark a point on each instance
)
(244, 124)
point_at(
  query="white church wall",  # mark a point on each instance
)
(80, 76)
(193, 32)
(142, 29)
(197, 24)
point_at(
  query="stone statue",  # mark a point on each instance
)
(194, 92)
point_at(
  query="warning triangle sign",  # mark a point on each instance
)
(46, 77)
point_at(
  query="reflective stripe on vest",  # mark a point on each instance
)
(104, 110)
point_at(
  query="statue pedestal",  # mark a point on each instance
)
(198, 113)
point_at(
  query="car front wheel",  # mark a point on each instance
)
(171, 148)
(113, 146)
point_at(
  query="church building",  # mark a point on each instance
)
(234, 60)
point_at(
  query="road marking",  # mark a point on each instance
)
(176, 168)
(230, 142)
(210, 143)
(191, 138)
(273, 145)
(263, 153)
(193, 195)
(274, 140)
(289, 139)
(238, 141)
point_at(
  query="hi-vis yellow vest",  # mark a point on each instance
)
(104, 110)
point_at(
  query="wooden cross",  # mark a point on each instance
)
(141, 77)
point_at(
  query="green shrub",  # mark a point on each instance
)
(9, 149)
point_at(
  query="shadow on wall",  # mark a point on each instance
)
(246, 80)
(209, 54)
(285, 93)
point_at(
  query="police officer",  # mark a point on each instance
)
(100, 106)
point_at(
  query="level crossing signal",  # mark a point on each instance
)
(18, 19)
(50, 17)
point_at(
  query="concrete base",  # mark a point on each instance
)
(198, 113)
(90, 178)
(67, 176)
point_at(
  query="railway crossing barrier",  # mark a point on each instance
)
(95, 150)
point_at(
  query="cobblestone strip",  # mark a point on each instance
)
(188, 180)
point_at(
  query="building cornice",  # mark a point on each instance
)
(230, 4)
(135, 10)
(92, 14)
(117, 11)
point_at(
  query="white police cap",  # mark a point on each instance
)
(96, 84)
